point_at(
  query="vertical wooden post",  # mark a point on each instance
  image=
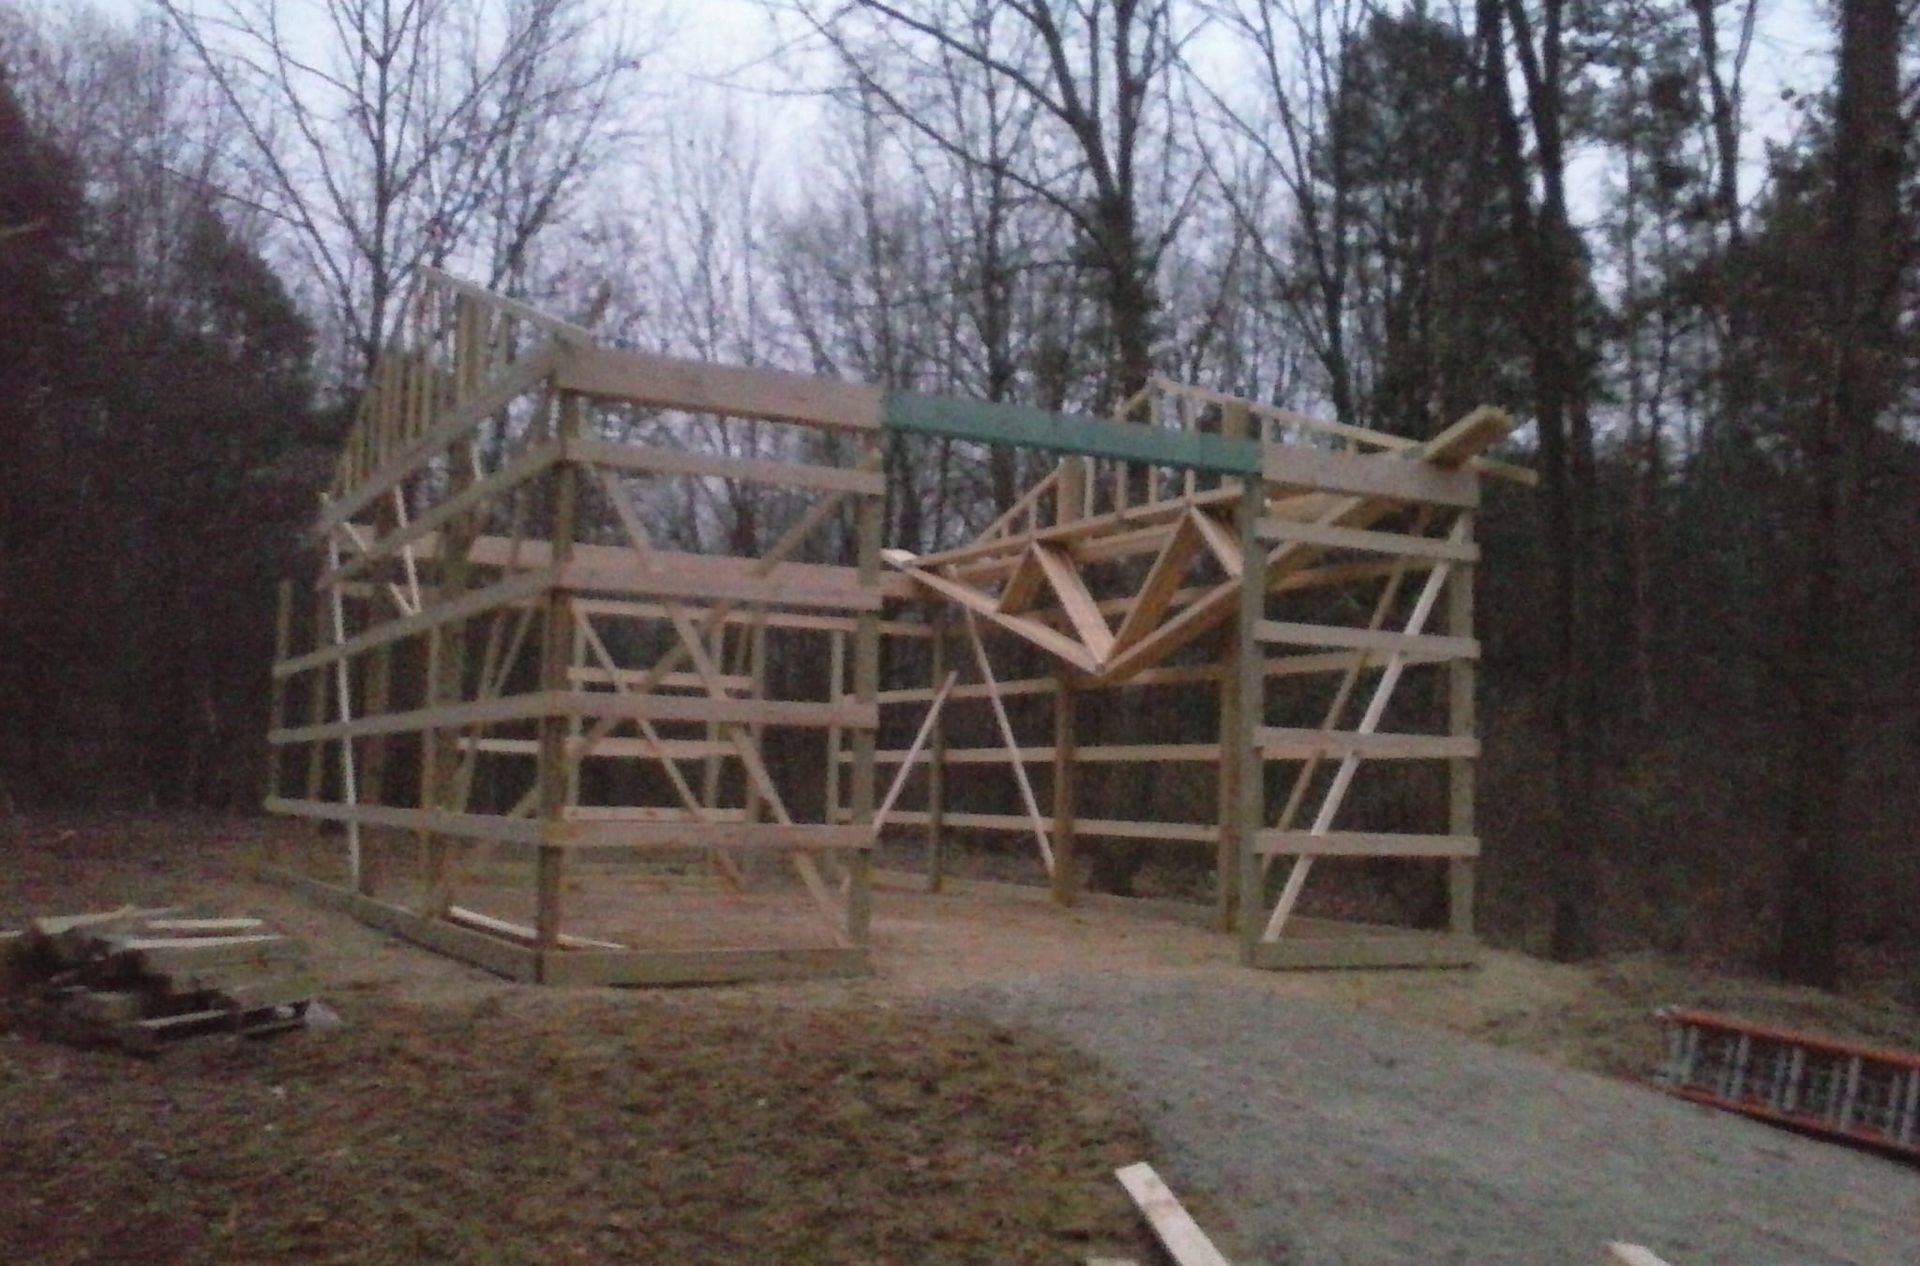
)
(373, 774)
(1231, 773)
(1461, 722)
(1066, 877)
(1069, 501)
(756, 732)
(556, 653)
(937, 766)
(836, 691)
(1249, 712)
(866, 689)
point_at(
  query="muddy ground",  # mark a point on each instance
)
(899, 1118)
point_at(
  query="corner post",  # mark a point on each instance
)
(1070, 494)
(866, 690)
(1234, 420)
(556, 656)
(937, 767)
(1249, 712)
(1462, 722)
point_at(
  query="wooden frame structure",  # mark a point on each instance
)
(491, 599)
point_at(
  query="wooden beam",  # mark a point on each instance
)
(666, 461)
(1387, 641)
(1078, 604)
(1395, 544)
(1178, 1233)
(973, 601)
(1027, 427)
(666, 382)
(1101, 828)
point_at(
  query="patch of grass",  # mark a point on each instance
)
(553, 1128)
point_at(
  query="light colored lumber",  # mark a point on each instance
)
(1433, 645)
(1178, 1233)
(1397, 544)
(1172, 832)
(519, 931)
(974, 602)
(780, 474)
(1631, 1255)
(728, 390)
(1078, 604)
(912, 753)
(1013, 746)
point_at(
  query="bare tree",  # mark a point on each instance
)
(411, 131)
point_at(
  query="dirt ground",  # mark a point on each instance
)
(1020, 1112)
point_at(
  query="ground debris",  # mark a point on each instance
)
(142, 978)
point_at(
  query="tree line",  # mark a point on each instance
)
(1702, 697)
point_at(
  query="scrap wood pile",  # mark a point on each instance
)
(144, 978)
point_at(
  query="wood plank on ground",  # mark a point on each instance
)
(1178, 1233)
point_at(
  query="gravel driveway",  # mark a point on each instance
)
(1323, 1136)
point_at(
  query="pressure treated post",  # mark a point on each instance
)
(1249, 712)
(373, 774)
(866, 690)
(1069, 499)
(556, 653)
(1461, 723)
(1066, 877)
(1234, 419)
(937, 766)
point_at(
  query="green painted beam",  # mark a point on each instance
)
(1028, 427)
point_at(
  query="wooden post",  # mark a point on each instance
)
(373, 775)
(937, 767)
(1462, 723)
(556, 653)
(866, 689)
(1226, 865)
(1069, 502)
(1249, 713)
(1066, 879)
(836, 691)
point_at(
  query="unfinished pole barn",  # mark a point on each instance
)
(527, 676)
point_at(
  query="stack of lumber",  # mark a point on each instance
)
(144, 978)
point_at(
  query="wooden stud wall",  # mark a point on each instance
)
(481, 537)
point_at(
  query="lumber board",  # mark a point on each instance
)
(1287, 743)
(491, 953)
(1432, 647)
(626, 748)
(667, 382)
(514, 589)
(520, 931)
(780, 474)
(1186, 832)
(625, 836)
(1631, 1255)
(676, 576)
(1078, 604)
(514, 381)
(1109, 753)
(1387, 476)
(1048, 639)
(528, 465)
(702, 967)
(473, 826)
(1395, 544)
(1175, 1228)
(981, 422)
(1364, 844)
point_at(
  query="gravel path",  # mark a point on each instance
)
(1323, 1136)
